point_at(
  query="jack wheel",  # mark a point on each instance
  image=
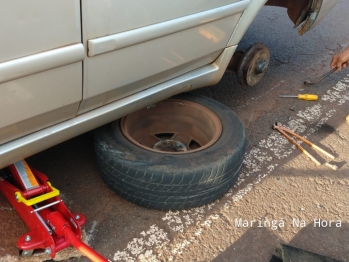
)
(26, 253)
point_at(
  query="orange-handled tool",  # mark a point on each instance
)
(283, 130)
(309, 97)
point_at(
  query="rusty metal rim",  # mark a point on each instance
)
(206, 118)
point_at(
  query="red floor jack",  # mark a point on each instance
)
(51, 225)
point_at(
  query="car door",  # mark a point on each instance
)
(133, 45)
(40, 65)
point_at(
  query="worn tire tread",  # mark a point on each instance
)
(171, 182)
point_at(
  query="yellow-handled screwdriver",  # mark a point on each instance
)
(310, 97)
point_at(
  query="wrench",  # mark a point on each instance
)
(309, 83)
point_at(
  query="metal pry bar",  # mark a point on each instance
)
(309, 83)
(283, 131)
(280, 129)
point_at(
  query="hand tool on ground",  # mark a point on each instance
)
(310, 97)
(283, 130)
(51, 225)
(334, 167)
(310, 83)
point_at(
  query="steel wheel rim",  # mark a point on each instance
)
(168, 125)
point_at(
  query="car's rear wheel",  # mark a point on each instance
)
(180, 153)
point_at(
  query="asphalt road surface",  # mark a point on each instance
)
(277, 185)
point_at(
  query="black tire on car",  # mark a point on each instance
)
(172, 181)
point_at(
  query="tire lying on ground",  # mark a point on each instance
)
(180, 153)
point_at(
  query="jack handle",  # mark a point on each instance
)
(82, 247)
(62, 228)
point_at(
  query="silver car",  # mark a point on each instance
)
(69, 66)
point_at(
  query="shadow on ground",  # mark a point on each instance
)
(259, 243)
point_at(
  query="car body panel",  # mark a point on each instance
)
(41, 62)
(107, 17)
(40, 68)
(128, 89)
(246, 20)
(39, 90)
(150, 32)
(118, 63)
(62, 75)
(30, 103)
(115, 73)
(26, 146)
(30, 27)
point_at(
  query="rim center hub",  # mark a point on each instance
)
(169, 145)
